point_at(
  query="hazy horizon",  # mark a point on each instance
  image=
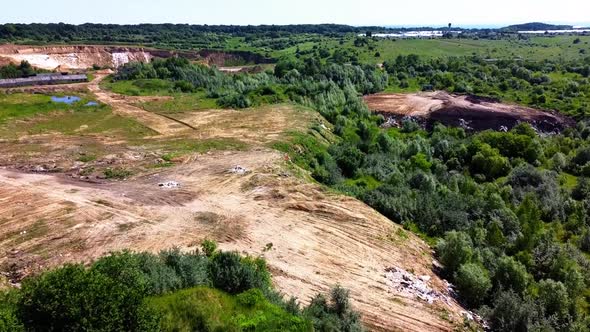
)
(262, 12)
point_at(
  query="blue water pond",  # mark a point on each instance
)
(65, 99)
(91, 103)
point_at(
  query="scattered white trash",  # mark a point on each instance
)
(238, 170)
(169, 184)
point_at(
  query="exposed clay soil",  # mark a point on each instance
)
(229, 58)
(82, 57)
(68, 58)
(471, 112)
(318, 238)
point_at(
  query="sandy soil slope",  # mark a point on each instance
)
(316, 238)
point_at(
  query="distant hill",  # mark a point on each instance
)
(536, 26)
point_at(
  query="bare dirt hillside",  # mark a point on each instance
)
(82, 57)
(312, 238)
(73, 57)
(471, 112)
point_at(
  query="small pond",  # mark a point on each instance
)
(91, 103)
(65, 99)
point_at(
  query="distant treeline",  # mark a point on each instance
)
(535, 26)
(166, 33)
(126, 33)
(201, 36)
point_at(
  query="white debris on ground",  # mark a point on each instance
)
(471, 316)
(169, 184)
(238, 170)
(390, 123)
(406, 283)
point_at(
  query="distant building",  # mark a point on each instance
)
(43, 79)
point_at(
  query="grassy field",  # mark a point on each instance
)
(535, 48)
(32, 114)
(181, 102)
(143, 87)
(19, 105)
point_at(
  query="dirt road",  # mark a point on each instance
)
(163, 125)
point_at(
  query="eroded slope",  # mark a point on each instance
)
(311, 238)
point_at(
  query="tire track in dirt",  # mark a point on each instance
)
(163, 125)
(319, 238)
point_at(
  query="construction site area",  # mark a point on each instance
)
(113, 175)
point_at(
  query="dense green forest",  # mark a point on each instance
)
(206, 290)
(159, 34)
(508, 212)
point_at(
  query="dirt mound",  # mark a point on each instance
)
(231, 58)
(467, 111)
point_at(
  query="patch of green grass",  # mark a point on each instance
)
(412, 227)
(568, 181)
(180, 147)
(181, 102)
(87, 158)
(142, 87)
(206, 309)
(117, 173)
(24, 105)
(366, 181)
(38, 229)
(43, 116)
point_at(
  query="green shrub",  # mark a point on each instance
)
(234, 274)
(511, 274)
(191, 268)
(72, 298)
(184, 86)
(209, 247)
(9, 320)
(333, 315)
(160, 277)
(454, 250)
(473, 283)
(116, 173)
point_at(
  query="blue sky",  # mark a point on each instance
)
(353, 12)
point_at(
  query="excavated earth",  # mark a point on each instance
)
(311, 237)
(67, 58)
(470, 112)
(82, 57)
